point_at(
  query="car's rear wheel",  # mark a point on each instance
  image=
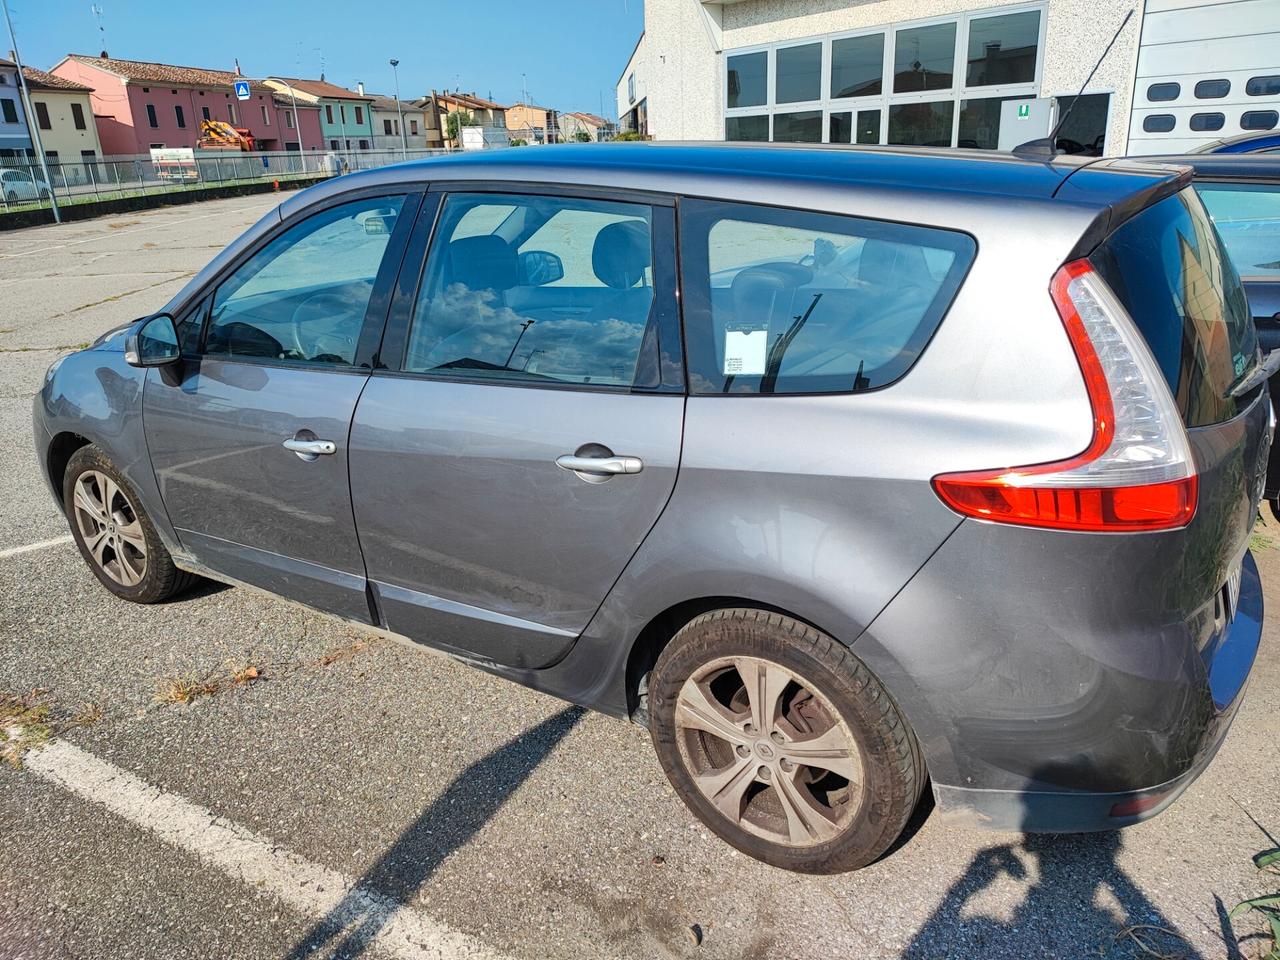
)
(783, 742)
(114, 534)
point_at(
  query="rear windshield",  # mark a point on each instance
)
(1170, 270)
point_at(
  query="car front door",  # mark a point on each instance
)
(526, 434)
(248, 436)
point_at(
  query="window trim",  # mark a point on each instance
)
(957, 92)
(664, 313)
(374, 325)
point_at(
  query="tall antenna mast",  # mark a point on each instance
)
(98, 13)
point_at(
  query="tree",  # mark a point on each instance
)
(519, 142)
(456, 120)
(628, 135)
(581, 136)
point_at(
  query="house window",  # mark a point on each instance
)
(359, 115)
(413, 127)
(364, 144)
(9, 110)
(179, 116)
(42, 115)
(857, 66)
(328, 114)
(1003, 49)
(231, 112)
(746, 128)
(77, 116)
(204, 112)
(748, 80)
(288, 120)
(631, 88)
(333, 145)
(151, 116)
(799, 74)
(386, 127)
(156, 146)
(88, 156)
(266, 116)
(51, 155)
(924, 58)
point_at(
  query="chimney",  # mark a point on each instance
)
(103, 55)
(360, 87)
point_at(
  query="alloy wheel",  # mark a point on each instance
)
(769, 751)
(109, 526)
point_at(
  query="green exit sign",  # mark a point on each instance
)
(1024, 111)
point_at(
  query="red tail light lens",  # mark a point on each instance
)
(1137, 472)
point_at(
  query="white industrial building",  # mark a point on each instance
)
(970, 73)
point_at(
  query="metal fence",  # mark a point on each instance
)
(23, 185)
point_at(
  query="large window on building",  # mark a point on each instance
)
(939, 82)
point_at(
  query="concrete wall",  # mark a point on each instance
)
(685, 73)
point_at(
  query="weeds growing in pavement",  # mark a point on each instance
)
(1268, 904)
(185, 689)
(24, 723)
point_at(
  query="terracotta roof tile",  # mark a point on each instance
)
(322, 88)
(39, 80)
(162, 73)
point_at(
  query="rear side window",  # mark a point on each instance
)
(1247, 216)
(789, 301)
(1169, 268)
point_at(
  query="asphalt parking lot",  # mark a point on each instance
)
(331, 792)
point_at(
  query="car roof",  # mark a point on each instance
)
(1242, 166)
(673, 167)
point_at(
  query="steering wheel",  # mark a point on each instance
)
(312, 312)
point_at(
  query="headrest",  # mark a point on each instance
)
(621, 253)
(483, 263)
(888, 264)
(762, 294)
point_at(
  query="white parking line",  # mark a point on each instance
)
(32, 547)
(254, 860)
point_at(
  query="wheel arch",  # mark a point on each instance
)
(61, 448)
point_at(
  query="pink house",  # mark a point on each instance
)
(138, 105)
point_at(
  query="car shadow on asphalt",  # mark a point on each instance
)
(1080, 902)
(465, 806)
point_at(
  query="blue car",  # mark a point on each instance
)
(1268, 142)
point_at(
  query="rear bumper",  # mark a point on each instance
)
(1039, 808)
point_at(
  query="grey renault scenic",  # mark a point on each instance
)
(847, 472)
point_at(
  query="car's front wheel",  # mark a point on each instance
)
(114, 534)
(783, 742)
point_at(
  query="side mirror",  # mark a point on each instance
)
(152, 342)
(540, 267)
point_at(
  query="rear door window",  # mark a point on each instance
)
(790, 301)
(1169, 268)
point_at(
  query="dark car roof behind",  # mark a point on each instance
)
(971, 171)
(1229, 166)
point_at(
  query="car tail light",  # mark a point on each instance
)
(1137, 472)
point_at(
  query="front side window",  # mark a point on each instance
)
(792, 301)
(535, 289)
(1003, 49)
(304, 295)
(748, 79)
(924, 59)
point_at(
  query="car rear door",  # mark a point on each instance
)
(248, 434)
(524, 435)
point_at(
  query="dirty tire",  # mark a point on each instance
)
(159, 579)
(889, 770)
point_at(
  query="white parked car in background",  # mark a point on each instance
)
(18, 185)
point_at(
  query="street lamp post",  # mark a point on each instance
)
(297, 126)
(404, 145)
(33, 126)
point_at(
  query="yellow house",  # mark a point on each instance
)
(64, 117)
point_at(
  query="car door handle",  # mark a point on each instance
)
(607, 465)
(310, 449)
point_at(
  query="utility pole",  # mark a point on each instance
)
(33, 125)
(404, 143)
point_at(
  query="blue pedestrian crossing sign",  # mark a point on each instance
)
(242, 89)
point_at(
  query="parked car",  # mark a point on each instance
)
(1242, 195)
(899, 468)
(1266, 142)
(18, 185)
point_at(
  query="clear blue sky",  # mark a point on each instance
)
(571, 51)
